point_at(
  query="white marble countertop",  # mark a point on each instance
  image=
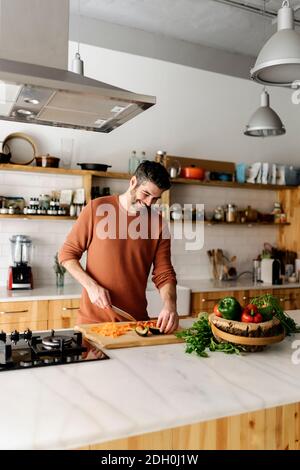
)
(140, 391)
(210, 285)
(69, 291)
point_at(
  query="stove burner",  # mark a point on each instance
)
(48, 360)
(25, 363)
(52, 342)
(45, 348)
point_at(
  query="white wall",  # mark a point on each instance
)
(35, 31)
(199, 114)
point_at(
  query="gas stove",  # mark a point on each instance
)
(45, 348)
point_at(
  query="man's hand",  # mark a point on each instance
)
(99, 296)
(168, 319)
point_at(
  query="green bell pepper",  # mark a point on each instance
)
(230, 308)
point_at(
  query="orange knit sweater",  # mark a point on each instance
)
(121, 265)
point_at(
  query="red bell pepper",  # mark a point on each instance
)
(217, 311)
(251, 314)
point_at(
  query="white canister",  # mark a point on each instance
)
(297, 268)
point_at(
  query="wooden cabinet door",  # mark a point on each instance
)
(22, 315)
(205, 301)
(63, 313)
(289, 298)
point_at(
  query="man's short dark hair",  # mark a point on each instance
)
(154, 172)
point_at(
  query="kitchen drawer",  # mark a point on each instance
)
(63, 313)
(205, 301)
(288, 298)
(24, 325)
(23, 313)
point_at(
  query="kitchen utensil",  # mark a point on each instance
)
(231, 213)
(5, 157)
(251, 214)
(174, 168)
(20, 274)
(5, 154)
(123, 314)
(94, 166)
(47, 161)
(22, 148)
(128, 340)
(193, 172)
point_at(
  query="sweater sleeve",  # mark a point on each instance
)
(163, 271)
(80, 236)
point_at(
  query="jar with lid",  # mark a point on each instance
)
(160, 156)
(11, 210)
(44, 201)
(231, 213)
(218, 214)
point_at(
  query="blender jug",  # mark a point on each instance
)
(21, 246)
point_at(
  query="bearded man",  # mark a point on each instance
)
(125, 237)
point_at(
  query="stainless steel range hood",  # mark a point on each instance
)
(54, 97)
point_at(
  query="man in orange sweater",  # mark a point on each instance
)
(124, 237)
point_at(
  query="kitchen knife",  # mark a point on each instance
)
(122, 313)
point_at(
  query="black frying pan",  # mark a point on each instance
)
(94, 166)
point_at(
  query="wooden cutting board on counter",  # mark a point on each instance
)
(129, 340)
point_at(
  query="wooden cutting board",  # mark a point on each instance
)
(129, 340)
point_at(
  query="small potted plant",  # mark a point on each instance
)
(59, 271)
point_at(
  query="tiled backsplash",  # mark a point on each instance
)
(243, 241)
(49, 235)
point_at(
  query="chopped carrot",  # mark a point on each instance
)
(115, 329)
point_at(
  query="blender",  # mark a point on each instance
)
(20, 274)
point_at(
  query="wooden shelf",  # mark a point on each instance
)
(245, 224)
(232, 184)
(63, 171)
(37, 217)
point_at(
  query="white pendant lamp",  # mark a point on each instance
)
(264, 122)
(278, 62)
(77, 63)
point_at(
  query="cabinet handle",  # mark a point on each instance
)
(65, 309)
(14, 311)
(245, 298)
(282, 299)
(210, 300)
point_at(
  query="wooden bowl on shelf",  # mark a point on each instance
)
(252, 336)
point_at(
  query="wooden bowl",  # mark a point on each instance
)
(252, 336)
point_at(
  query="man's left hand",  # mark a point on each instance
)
(168, 319)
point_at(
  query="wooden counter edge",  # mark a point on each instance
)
(275, 428)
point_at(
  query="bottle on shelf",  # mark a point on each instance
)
(133, 162)
(72, 210)
(143, 157)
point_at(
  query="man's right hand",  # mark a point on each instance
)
(99, 296)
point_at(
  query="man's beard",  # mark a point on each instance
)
(136, 204)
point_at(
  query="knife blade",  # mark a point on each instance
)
(123, 314)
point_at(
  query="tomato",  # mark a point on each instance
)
(217, 311)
